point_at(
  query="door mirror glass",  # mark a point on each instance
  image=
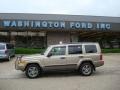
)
(49, 55)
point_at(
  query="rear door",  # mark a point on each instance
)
(75, 53)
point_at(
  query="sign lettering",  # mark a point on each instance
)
(39, 24)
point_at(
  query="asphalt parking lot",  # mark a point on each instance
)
(106, 77)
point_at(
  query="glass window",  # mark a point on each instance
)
(10, 46)
(76, 49)
(2, 47)
(58, 50)
(90, 48)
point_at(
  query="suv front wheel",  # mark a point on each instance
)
(32, 71)
(86, 69)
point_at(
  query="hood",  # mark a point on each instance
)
(31, 57)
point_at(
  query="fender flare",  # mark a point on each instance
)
(85, 60)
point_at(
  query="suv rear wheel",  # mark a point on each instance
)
(8, 58)
(33, 71)
(86, 69)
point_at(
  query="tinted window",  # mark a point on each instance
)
(10, 46)
(58, 50)
(76, 49)
(90, 48)
(2, 47)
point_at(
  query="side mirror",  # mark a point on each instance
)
(49, 55)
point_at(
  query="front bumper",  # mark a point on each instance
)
(19, 65)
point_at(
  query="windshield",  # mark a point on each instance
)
(2, 47)
(44, 51)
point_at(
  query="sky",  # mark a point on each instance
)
(72, 7)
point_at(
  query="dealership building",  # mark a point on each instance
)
(41, 30)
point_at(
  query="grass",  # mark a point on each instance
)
(33, 50)
(28, 50)
(117, 50)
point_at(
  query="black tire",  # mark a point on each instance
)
(9, 58)
(32, 71)
(86, 69)
(13, 56)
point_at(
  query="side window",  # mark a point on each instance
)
(58, 50)
(2, 47)
(90, 48)
(75, 49)
(10, 46)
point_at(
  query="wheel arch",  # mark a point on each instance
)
(34, 64)
(86, 61)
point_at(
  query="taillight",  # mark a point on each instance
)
(101, 57)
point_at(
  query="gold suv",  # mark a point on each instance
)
(83, 57)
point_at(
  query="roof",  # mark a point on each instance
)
(76, 43)
(4, 43)
(60, 17)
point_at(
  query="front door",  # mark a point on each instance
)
(57, 60)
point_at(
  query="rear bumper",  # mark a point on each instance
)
(4, 57)
(99, 63)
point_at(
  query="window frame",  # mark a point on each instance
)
(9, 46)
(3, 45)
(90, 45)
(58, 47)
(75, 45)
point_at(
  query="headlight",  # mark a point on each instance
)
(20, 60)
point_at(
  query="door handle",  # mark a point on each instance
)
(62, 57)
(81, 56)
